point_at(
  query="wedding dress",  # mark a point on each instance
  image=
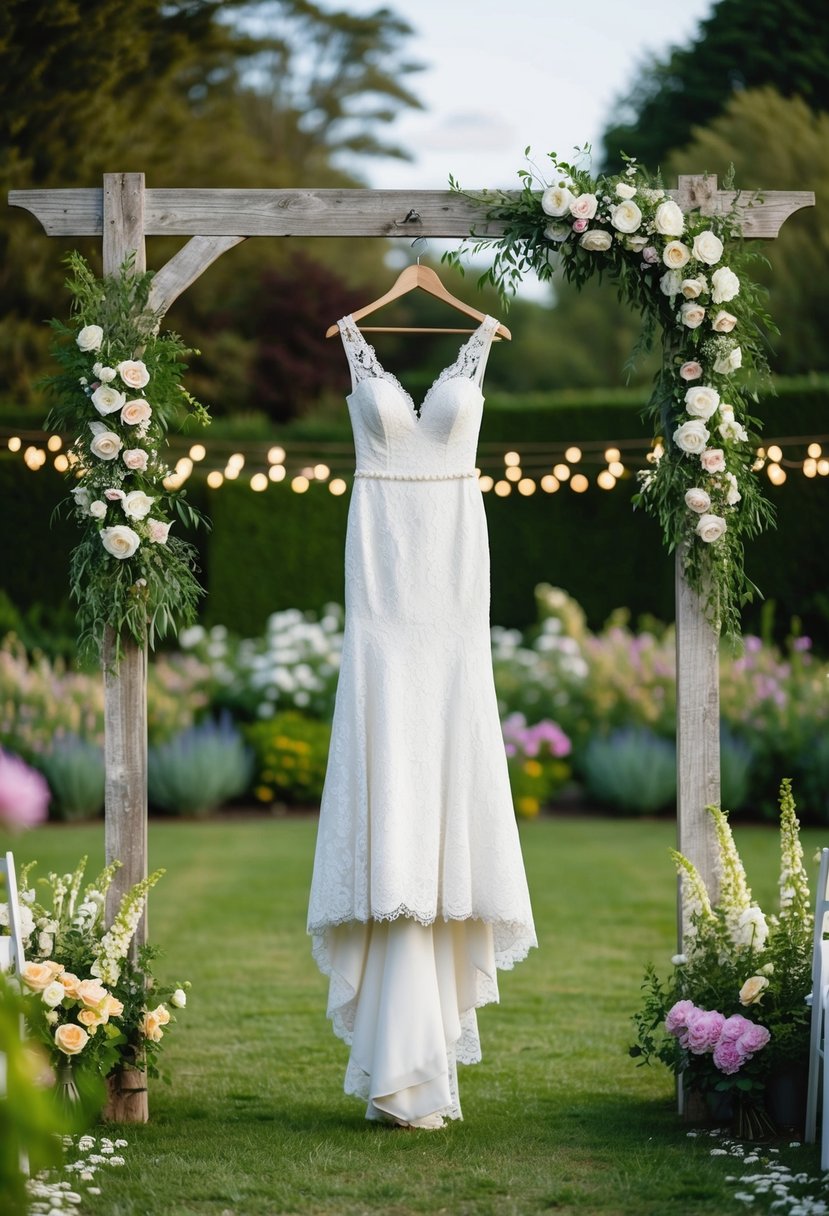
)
(418, 892)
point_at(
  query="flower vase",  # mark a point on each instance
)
(66, 1091)
(752, 1121)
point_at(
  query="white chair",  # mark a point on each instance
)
(819, 1037)
(11, 953)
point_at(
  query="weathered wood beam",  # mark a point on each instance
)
(186, 266)
(440, 213)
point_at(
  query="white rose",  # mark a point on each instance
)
(733, 495)
(556, 200)
(114, 495)
(104, 374)
(596, 240)
(136, 411)
(53, 994)
(669, 219)
(676, 255)
(135, 459)
(671, 283)
(636, 243)
(97, 509)
(120, 541)
(701, 401)
(692, 436)
(583, 206)
(133, 372)
(626, 217)
(106, 445)
(707, 247)
(697, 500)
(557, 232)
(710, 528)
(731, 429)
(723, 322)
(692, 314)
(137, 504)
(729, 363)
(726, 411)
(625, 190)
(751, 992)
(107, 399)
(52, 1017)
(724, 285)
(158, 530)
(693, 288)
(179, 998)
(90, 338)
(82, 498)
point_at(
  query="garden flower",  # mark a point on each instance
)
(703, 1031)
(90, 338)
(71, 1039)
(24, 794)
(679, 1015)
(751, 992)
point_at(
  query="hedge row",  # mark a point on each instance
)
(281, 549)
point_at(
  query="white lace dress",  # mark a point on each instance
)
(419, 891)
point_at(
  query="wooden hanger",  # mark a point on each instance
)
(426, 279)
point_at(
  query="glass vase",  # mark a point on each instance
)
(66, 1091)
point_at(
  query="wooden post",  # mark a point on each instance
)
(125, 682)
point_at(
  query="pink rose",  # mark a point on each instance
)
(728, 1056)
(704, 1031)
(24, 794)
(135, 458)
(753, 1039)
(136, 411)
(690, 370)
(579, 225)
(158, 530)
(713, 460)
(678, 1016)
(114, 495)
(734, 1026)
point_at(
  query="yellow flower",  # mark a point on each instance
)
(532, 768)
(528, 807)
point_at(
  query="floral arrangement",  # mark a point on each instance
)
(118, 393)
(688, 275)
(536, 761)
(85, 999)
(735, 1004)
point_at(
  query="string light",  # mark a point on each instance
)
(561, 471)
(231, 472)
(823, 467)
(776, 475)
(612, 454)
(606, 480)
(511, 458)
(502, 488)
(259, 482)
(61, 463)
(486, 483)
(549, 483)
(579, 483)
(810, 465)
(184, 467)
(615, 468)
(526, 486)
(215, 479)
(34, 458)
(573, 455)
(54, 443)
(198, 451)
(299, 484)
(14, 444)
(236, 461)
(321, 472)
(276, 472)
(814, 450)
(774, 453)
(337, 486)
(514, 473)
(276, 455)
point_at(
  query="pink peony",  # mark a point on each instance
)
(734, 1026)
(679, 1015)
(729, 1056)
(704, 1031)
(754, 1038)
(24, 794)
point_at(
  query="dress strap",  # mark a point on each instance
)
(472, 357)
(361, 358)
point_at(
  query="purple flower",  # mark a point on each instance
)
(729, 1056)
(704, 1031)
(679, 1015)
(24, 794)
(803, 643)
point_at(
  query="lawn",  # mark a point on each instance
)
(556, 1119)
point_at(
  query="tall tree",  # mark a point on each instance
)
(743, 44)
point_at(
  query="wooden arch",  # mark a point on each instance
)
(123, 213)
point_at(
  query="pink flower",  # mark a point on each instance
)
(729, 1056)
(704, 1031)
(136, 411)
(158, 530)
(650, 255)
(679, 1015)
(713, 460)
(135, 458)
(114, 495)
(24, 794)
(734, 1026)
(691, 370)
(579, 225)
(754, 1038)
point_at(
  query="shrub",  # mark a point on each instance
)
(291, 755)
(632, 770)
(200, 769)
(74, 769)
(736, 766)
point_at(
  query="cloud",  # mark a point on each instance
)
(475, 131)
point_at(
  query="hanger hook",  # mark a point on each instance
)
(421, 247)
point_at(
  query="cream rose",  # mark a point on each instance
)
(106, 444)
(713, 460)
(702, 401)
(723, 322)
(136, 411)
(733, 494)
(710, 528)
(583, 206)
(729, 363)
(692, 289)
(752, 990)
(92, 993)
(90, 337)
(135, 459)
(120, 541)
(691, 314)
(71, 1039)
(70, 983)
(151, 1028)
(625, 190)
(158, 530)
(676, 255)
(697, 500)
(691, 370)
(669, 220)
(724, 285)
(596, 240)
(133, 372)
(53, 994)
(137, 504)
(670, 283)
(692, 436)
(107, 399)
(113, 1008)
(162, 1014)
(707, 247)
(179, 998)
(38, 976)
(636, 243)
(556, 200)
(729, 428)
(557, 232)
(626, 217)
(104, 374)
(97, 509)
(90, 1018)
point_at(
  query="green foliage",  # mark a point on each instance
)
(631, 770)
(74, 769)
(198, 770)
(291, 756)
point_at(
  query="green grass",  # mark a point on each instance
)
(557, 1118)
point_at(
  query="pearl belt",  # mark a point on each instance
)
(383, 476)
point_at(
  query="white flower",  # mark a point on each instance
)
(636, 243)
(137, 504)
(752, 928)
(179, 998)
(133, 372)
(729, 363)
(691, 436)
(697, 500)
(53, 994)
(82, 497)
(106, 445)
(669, 220)
(676, 255)
(729, 428)
(583, 206)
(723, 322)
(90, 338)
(701, 401)
(652, 196)
(692, 314)
(557, 232)
(52, 1016)
(707, 247)
(136, 411)
(97, 509)
(596, 240)
(121, 542)
(625, 190)
(671, 283)
(556, 200)
(158, 530)
(724, 285)
(135, 459)
(713, 460)
(104, 374)
(693, 288)
(626, 217)
(107, 399)
(114, 495)
(710, 528)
